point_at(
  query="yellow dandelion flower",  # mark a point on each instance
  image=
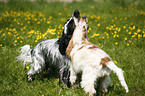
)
(127, 44)
(38, 22)
(138, 30)
(125, 18)
(125, 38)
(98, 25)
(135, 33)
(7, 28)
(59, 13)
(124, 27)
(15, 41)
(129, 33)
(139, 36)
(115, 62)
(48, 22)
(1, 45)
(114, 35)
(133, 27)
(42, 94)
(20, 41)
(143, 35)
(126, 30)
(27, 67)
(133, 36)
(116, 43)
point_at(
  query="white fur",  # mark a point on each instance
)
(88, 61)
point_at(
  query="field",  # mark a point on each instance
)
(118, 27)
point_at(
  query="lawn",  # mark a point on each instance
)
(118, 27)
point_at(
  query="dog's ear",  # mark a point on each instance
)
(71, 27)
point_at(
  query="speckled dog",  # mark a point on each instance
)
(51, 53)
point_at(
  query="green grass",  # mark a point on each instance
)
(118, 27)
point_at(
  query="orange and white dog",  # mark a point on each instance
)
(91, 61)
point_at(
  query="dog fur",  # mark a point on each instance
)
(91, 61)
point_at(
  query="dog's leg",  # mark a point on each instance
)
(36, 66)
(105, 81)
(89, 77)
(72, 75)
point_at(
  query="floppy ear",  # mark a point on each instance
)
(69, 48)
(64, 40)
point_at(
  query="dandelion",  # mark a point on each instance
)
(98, 25)
(42, 94)
(133, 27)
(143, 35)
(127, 44)
(138, 30)
(59, 13)
(1, 45)
(27, 67)
(115, 62)
(125, 38)
(48, 22)
(139, 36)
(116, 43)
(38, 22)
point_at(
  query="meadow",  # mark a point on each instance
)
(118, 27)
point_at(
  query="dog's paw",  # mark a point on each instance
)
(91, 92)
(72, 79)
(104, 90)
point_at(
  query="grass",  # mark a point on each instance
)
(118, 27)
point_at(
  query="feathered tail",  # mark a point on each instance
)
(25, 55)
(119, 73)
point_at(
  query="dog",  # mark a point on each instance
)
(89, 60)
(49, 54)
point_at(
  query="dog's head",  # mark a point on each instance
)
(82, 27)
(69, 27)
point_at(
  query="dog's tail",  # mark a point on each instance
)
(25, 55)
(111, 65)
